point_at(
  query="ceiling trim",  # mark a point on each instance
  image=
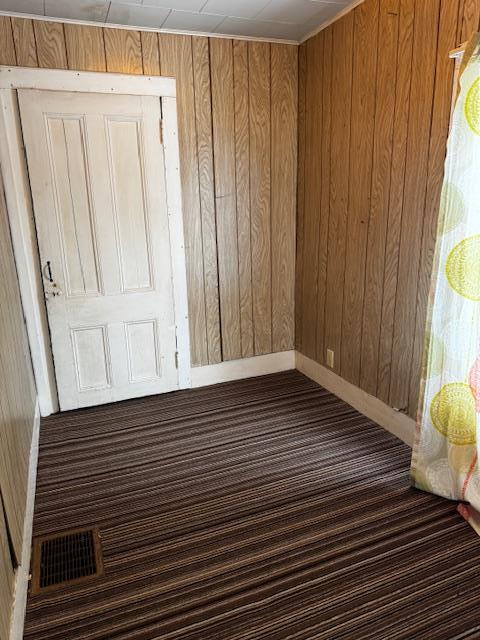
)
(333, 19)
(127, 27)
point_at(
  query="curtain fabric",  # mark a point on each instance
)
(447, 441)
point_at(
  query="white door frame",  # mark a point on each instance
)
(20, 211)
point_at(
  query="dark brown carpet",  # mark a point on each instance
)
(261, 509)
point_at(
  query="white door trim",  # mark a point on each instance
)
(22, 225)
(86, 82)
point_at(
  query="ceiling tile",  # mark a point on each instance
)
(137, 15)
(235, 8)
(22, 6)
(327, 11)
(343, 3)
(77, 9)
(180, 5)
(275, 19)
(123, 2)
(243, 27)
(188, 21)
(284, 31)
(292, 11)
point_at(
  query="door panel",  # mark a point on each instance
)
(97, 175)
(66, 142)
(91, 356)
(129, 188)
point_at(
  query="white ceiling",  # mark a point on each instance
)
(273, 19)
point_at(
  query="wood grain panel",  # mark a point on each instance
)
(361, 156)
(123, 51)
(176, 61)
(17, 391)
(284, 93)
(378, 280)
(7, 47)
(399, 152)
(469, 16)
(302, 84)
(254, 152)
(51, 48)
(325, 193)
(313, 193)
(7, 577)
(221, 56)
(24, 39)
(436, 158)
(423, 76)
(342, 64)
(381, 173)
(260, 191)
(242, 178)
(150, 53)
(85, 47)
(203, 115)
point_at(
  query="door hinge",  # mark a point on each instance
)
(176, 359)
(161, 132)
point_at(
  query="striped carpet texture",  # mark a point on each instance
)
(260, 509)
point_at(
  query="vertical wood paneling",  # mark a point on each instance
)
(221, 56)
(24, 39)
(342, 66)
(249, 227)
(85, 47)
(7, 578)
(381, 173)
(176, 61)
(242, 179)
(50, 40)
(313, 192)
(203, 115)
(260, 186)
(302, 83)
(284, 92)
(123, 51)
(399, 152)
(361, 155)
(326, 138)
(7, 48)
(469, 16)
(423, 76)
(150, 53)
(389, 116)
(438, 140)
(17, 392)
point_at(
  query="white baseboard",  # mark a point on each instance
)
(23, 571)
(240, 369)
(393, 421)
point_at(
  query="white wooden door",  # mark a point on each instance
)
(96, 167)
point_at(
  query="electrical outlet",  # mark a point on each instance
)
(330, 358)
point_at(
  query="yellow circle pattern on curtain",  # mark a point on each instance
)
(452, 208)
(472, 107)
(463, 268)
(453, 413)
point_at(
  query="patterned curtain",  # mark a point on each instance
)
(446, 449)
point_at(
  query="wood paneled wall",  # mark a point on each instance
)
(17, 411)
(7, 579)
(375, 91)
(237, 105)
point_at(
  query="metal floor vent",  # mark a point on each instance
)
(66, 558)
